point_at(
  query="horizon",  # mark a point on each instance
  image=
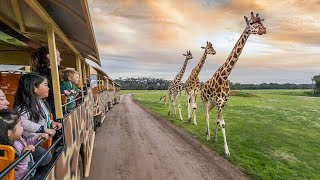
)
(230, 81)
(148, 38)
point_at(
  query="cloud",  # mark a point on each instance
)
(148, 37)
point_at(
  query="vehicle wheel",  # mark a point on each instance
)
(80, 168)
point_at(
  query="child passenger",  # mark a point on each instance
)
(69, 88)
(35, 114)
(11, 133)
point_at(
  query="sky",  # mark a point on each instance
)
(146, 38)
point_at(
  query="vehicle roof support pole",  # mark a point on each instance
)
(79, 69)
(54, 72)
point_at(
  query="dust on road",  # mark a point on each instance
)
(134, 143)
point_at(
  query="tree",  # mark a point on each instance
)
(316, 79)
(143, 83)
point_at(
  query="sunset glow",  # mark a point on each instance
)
(148, 38)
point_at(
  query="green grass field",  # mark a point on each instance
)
(271, 134)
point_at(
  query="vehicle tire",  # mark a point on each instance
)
(80, 168)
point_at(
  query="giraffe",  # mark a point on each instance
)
(215, 91)
(192, 85)
(175, 87)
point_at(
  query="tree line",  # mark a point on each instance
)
(143, 83)
(148, 83)
(238, 86)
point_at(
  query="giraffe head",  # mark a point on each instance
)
(255, 25)
(209, 49)
(188, 55)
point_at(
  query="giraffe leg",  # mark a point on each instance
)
(194, 109)
(219, 114)
(216, 131)
(189, 109)
(179, 106)
(207, 119)
(165, 99)
(216, 128)
(195, 116)
(215, 135)
(222, 124)
(226, 149)
(174, 107)
(170, 102)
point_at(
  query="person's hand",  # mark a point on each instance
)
(66, 92)
(73, 92)
(51, 132)
(29, 147)
(56, 124)
(44, 136)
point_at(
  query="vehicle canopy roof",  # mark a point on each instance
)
(24, 27)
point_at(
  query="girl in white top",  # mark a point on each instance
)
(35, 115)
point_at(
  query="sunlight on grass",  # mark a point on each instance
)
(272, 134)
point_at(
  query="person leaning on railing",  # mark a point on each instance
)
(35, 114)
(4, 103)
(11, 133)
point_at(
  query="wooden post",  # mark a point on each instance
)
(79, 69)
(108, 85)
(54, 72)
(84, 73)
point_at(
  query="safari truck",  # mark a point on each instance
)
(66, 26)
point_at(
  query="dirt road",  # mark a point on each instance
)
(134, 143)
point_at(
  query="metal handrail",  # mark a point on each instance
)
(71, 101)
(26, 176)
(17, 161)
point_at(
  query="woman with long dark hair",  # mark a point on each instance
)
(41, 64)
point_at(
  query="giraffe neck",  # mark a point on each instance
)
(227, 67)
(180, 74)
(200, 64)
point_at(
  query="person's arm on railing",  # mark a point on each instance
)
(24, 154)
(56, 124)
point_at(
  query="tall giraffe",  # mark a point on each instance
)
(192, 85)
(215, 91)
(175, 87)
